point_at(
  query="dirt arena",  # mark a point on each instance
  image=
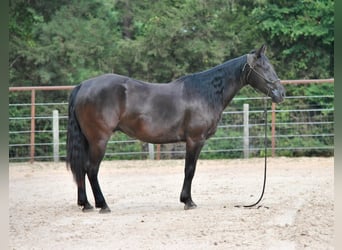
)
(297, 211)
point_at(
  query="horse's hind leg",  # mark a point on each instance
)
(82, 195)
(100, 201)
(97, 151)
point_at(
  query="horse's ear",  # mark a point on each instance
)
(261, 51)
(255, 54)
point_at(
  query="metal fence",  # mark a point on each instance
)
(303, 125)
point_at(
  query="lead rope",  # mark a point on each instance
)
(265, 168)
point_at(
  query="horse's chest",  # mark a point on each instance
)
(212, 129)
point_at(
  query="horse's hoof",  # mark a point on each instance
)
(87, 208)
(190, 205)
(104, 210)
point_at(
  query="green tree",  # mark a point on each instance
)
(77, 43)
(301, 35)
(186, 37)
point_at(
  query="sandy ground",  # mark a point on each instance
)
(297, 211)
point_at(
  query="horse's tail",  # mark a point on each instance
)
(77, 144)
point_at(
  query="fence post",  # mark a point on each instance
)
(273, 129)
(158, 152)
(246, 130)
(33, 124)
(151, 151)
(55, 131)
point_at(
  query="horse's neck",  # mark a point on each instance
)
(233, 81)
(218, 85)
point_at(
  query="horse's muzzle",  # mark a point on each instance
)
(278, 94)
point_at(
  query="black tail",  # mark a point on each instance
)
(77, 145)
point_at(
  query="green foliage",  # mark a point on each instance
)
(76, 44)
(66, 42)
(301, 34)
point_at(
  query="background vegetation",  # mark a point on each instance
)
(67, 41)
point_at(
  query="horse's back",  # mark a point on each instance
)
(102, 83)
(107, 90)
(112, 84)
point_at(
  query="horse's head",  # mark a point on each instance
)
(261, 75)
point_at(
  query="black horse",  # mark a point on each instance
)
(185, 110)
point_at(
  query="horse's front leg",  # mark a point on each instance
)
(193, 150)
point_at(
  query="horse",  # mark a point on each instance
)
(187, 110)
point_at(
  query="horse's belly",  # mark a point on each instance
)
(153, 131)
(155, 137)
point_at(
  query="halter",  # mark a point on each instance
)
(256, 72)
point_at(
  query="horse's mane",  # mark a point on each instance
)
(210, 83)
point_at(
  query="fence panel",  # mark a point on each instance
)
(301, 126)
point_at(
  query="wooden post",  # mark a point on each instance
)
(273, 129)
(33, 125)
(158, 152)
(246, 130)
(55, 132)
